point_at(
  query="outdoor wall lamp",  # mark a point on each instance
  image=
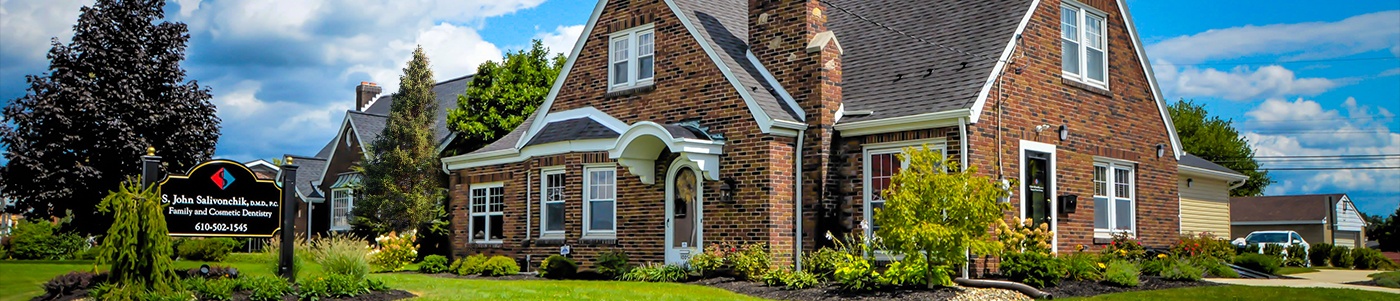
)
(1161, 150)
(726, 190)
(1188, 182)
(1064, 132)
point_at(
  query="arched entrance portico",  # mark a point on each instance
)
(697, 159)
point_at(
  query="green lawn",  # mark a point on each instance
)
(21, 280)
(1234, 292)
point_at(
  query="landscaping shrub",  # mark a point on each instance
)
(38, 239)
(1182, 270)
(211, 289)
(1204, 244)
(1215, 267)
(558, 267)
(1274, 250)
(800, 280)
(1121, 273)
(1386, 279)
(1034, 269)
(655, 273)
(330, 286)
(1341, 257)
(395, 251)
(854, 273)
(821, 262)
(706, 263)
(208, 249)
(1252, 249)
(301, 253)
(612, 263)
(1023, 237)
(1319, 253)
(774, 277)
(752, 262)
(907, 272)
(137, 245)
(342, 254)
(1258, 262)
(471, 265)
(1083, 266)
(264, 288)
(1297, 256)
(1123, 247)
(1155, 266)
(456, 265)
(433, 264)
(73, 281)
(500, 266)
(1369, 259)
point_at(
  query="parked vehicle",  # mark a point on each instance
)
(1282, 238)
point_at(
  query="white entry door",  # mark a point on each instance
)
(683, 220)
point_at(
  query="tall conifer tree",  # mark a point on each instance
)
(401, 190)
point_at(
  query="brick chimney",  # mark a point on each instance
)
(364, 95)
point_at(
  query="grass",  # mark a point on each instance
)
(1235, 292)
(1295, 270)
(21, 280)
(1386, 279)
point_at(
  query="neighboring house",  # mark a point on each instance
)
(263, 170)
(326, 181)
(679, 124)
(1205, 195)
(1319, 218)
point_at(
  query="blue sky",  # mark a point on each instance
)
(1297, 77)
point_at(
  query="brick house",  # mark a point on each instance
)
(678, 124)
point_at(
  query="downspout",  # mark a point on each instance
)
(797, 189)
(529, 206)
(962, 156)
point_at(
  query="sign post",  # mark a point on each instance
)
(289, 211)
(150, 168)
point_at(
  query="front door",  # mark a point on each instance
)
(1038, 187)
(682, 215)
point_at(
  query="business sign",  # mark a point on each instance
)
(221, 198)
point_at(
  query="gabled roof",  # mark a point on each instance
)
(509, 140)
(446, 91)
(1191, 164)
(367, 127)
(1301, 208)
(581, 128)
(893, 75)
(724, 25)
(309, 170)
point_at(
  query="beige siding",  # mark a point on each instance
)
(1205, 206)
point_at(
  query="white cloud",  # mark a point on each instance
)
(1242, 83)
(28, 29)
(1304, 128)
(1357, 34)
(562, 39)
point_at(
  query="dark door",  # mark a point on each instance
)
(1038, 187)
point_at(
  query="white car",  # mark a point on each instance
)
(1281, 238)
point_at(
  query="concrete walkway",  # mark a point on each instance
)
(1321, 278)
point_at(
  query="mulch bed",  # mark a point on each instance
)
(1367, 283)
(1069, 288)
(389, 295)
(826, 292)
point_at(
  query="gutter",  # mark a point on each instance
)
(797, 189)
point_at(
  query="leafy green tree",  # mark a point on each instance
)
(966, 205)
(501, 95)
(115, 90)
(1215, 140)
(137, 245)
(401, 189)
(1387, 233)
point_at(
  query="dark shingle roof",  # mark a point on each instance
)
(572, 129)
(1281, 208)
(934, 79)
(368, 127)
(1198, 162)
(724, 24)
(511, 138)
(446, 91)
(308, 170)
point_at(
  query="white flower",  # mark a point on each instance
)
(829, 236)
(864, 225)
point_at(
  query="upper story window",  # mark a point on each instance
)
(1084, 45)
(632, 58)
(552, 202)
(1114, 196)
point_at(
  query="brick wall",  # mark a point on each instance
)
(1122, 123)
(688, 85)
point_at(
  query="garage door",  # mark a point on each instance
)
(1347, 238)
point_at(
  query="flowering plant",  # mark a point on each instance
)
(1124, 247)
(1024, 237)
(394, 252)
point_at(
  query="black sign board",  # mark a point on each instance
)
(221, 198)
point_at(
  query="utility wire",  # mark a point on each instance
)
(1278, 62)
(891, 29)
(1331, 168)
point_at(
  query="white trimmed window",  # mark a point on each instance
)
(600, 201)
(632, 58)
(552, 202)
(881, 163)
(342, 204)
(1084, 44)
(487, 213)
(1114, 195)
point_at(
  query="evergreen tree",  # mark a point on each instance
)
(401, 185)
(137, 245)
(501, 95)
(1213, 139)
(115, 90)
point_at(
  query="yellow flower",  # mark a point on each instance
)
(1101, 266)
(1122, 252)
(1162, 256)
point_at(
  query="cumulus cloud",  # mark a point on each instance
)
(1243, 83)
(562, 39)
(1357, 34)
(28, 28)
(1305, 128)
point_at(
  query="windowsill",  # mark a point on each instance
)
(630, 90)
(597, 239)
(1096, 89)
(550, 241)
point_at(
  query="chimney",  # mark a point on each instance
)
(364, 95)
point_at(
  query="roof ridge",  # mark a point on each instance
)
(366, 113)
